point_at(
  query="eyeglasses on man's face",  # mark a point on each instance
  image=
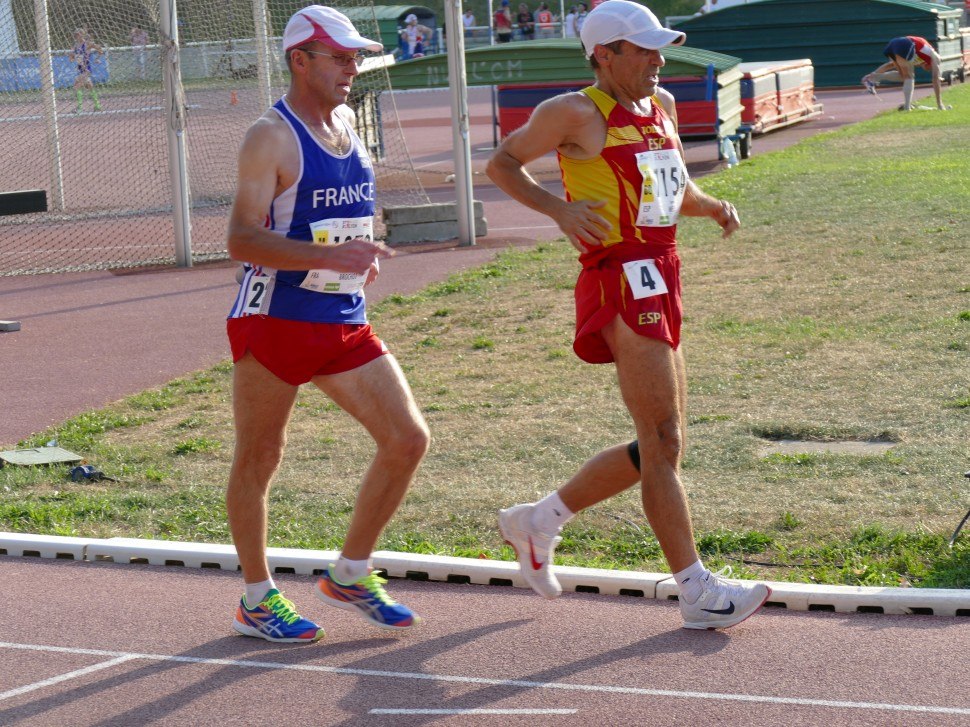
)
(341, 60)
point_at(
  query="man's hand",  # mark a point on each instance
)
(373, 272)
(727, 217)
(584, 227)
(356, 256)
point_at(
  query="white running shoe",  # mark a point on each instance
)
(533, 549)
(723, 603)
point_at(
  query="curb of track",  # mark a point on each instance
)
(792, 596)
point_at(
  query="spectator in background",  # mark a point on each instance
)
(139, 39)
(81, 54)
(580, 17)
(468, 20)
(904, 55)
(569, 24)
(502, 22)
(544, 20)
(526, 22)
(415, 36)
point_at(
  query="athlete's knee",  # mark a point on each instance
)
(408, 443)
(667, 439)
(263, 455)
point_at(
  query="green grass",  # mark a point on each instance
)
(839, 311)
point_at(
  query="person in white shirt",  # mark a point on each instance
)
(569, 23)
(468, 20)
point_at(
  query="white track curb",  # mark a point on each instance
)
(793, 596)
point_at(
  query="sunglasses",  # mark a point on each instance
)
(341, 60)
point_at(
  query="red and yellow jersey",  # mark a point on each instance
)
(627, 177)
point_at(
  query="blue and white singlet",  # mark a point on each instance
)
(331, 201)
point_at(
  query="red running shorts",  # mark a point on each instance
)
(603, 292)
(296, 351)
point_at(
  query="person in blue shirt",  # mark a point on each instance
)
(81, 53)
(302, 222)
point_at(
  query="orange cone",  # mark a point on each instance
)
(233, 98)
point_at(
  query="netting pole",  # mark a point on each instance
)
(175, 103)
(49, 98)
(263, 66)
(461, 143)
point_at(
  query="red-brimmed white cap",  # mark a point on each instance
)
(614, 20)
(328, 26)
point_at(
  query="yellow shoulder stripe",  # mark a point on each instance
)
(604, 102)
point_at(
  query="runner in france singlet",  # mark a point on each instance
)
(639, 173)
(332, 201)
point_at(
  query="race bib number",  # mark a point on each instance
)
(333, 232)
(256, 291)
(644, 278)
(664, 182)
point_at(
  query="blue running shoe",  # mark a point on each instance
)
(368, 597)
(275, 619)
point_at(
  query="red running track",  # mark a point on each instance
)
(158, 647)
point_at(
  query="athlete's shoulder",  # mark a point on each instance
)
(665, 98)
(569, 108)
(268, 140)
(347, 114)
(270, 128)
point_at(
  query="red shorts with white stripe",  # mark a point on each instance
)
(296, 351)
(603, 292)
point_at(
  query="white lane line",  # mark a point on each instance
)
(519, 683)
(65, 677)
(472, 711)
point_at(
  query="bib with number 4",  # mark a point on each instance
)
(644, 278)
(664, 182)
(332, 232)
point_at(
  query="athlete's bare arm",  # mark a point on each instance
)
(268, 164)
(934, 70)
(696, 202)
(570, 124)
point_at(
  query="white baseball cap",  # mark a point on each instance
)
(328, 26)
(412, 18)
(614, 20)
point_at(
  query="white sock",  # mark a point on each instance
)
(256, 591)
(691, 581)
(908, 86)
(550, 514)
(347, 572)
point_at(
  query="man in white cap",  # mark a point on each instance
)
(302, 222)
(626, 184)
(415, 36)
